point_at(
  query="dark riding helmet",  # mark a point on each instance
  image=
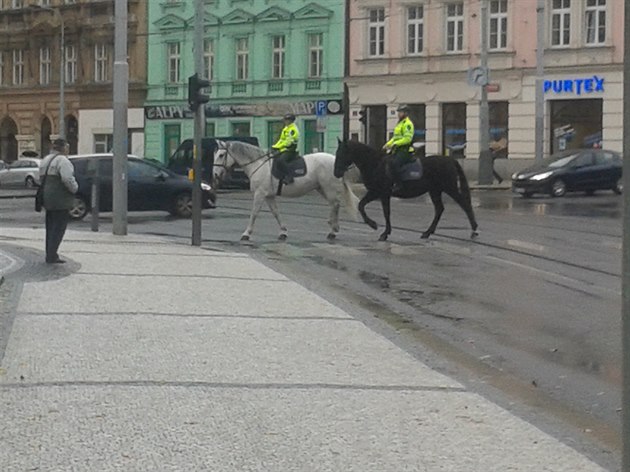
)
(289, 117)
(403, 108)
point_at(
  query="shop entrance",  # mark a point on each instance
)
(576, 124)
(376, 126)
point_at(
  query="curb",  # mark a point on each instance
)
(7, 197)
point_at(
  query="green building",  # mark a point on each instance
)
(264, 58)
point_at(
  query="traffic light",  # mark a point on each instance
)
(363, 116)
(195, 95)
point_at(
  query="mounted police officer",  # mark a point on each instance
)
(400, 145)
(286, 147)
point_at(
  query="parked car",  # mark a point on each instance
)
(3, 165)
(585, 170)
(182, 160)
(151, 187)
(21, 173)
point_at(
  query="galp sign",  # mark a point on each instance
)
(578, 86)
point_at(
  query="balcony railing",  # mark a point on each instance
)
(313, 84)
(275, 86)
(239, 88)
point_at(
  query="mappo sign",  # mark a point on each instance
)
(579, 86)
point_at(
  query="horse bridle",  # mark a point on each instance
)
(267, 155)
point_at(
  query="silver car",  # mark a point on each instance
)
(21, 173)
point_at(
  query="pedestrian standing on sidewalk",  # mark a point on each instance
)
(59, 187)
(498, 147)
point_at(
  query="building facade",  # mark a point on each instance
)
(419, 51)
(31, 58)
(264, 58)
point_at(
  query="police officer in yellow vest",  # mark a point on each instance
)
(286, 146)
(400, 144)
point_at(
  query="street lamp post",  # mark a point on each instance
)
(62, 70)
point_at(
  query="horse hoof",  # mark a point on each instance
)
(383, 237)
(425, 235)
(474, 235)
(331, 236)
(245, 238)
(282, 237)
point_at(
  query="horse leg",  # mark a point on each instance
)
(259, 199)
(385, 202)
(333, 220)
(369, 197)
(465, 205)
(273, 206)
(436, 198)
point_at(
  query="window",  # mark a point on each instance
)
(242, 59)
(103, 143)
(101, 62)
(44, 66)
(313, 139)
(172, 138)
(454, 129)
(315, 55)
(141, 170)
(173, 60)
(274, 128)
(415, 29)
(376, 32)
(44, 3)
(455, 27)
(71, 64)
(18, 67)
(498, 24)
(561, 23)
(208, 59)
(277, 60)
(499, 137)
(241, 128)
(595, 22)
(17, 4)
(210, 128)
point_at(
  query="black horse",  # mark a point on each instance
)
(440, 174)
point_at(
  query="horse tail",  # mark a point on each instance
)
(464, 189)
(351, 201)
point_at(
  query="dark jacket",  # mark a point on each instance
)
(60, 184)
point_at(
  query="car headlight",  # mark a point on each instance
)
(205, 187)
(543, 176)
(516, 176)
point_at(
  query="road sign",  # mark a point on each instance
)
(478, 76)
(320, 125)
(321, 108)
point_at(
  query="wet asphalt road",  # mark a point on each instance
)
(530, 309)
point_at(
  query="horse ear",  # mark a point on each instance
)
(338, 140)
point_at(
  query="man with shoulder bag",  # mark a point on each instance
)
(56, 195)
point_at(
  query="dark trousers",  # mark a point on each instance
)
(282, 161)
(56, 223)
(400, 158)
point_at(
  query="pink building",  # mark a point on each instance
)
(419, 51)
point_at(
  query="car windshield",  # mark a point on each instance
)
(563, 161)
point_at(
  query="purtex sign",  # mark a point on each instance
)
(579, 86)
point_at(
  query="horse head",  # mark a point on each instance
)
(343, 159)
(223, 161)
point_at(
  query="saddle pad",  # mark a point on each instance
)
(411, 171)
(297, 168)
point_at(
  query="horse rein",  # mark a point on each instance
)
(267, 155)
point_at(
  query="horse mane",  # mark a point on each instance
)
(364, 152)
(242, 147)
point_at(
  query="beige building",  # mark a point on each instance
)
(30, 65)
(419, 51)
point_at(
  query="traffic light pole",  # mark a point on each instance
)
(200, 118)
(485, 157)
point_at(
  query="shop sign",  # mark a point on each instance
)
(168, 112)
(579, 86)
(306, 108)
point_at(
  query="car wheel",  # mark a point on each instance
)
(558, 188)
(618, 188)
(79, 208)
(528, 194)
(182, 205)
(30, 182)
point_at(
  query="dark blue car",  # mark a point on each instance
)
(578, 170)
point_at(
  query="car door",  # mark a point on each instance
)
(17, 173)
(581, 172)
(606, 170)
(148, 189)
(106, 171)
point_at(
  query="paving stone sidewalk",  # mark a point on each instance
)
(161, 357)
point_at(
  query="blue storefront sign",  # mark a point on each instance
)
(578, 86)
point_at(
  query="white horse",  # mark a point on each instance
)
(256, 163)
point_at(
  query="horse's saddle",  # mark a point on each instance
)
(411, 171)
(295, 168)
